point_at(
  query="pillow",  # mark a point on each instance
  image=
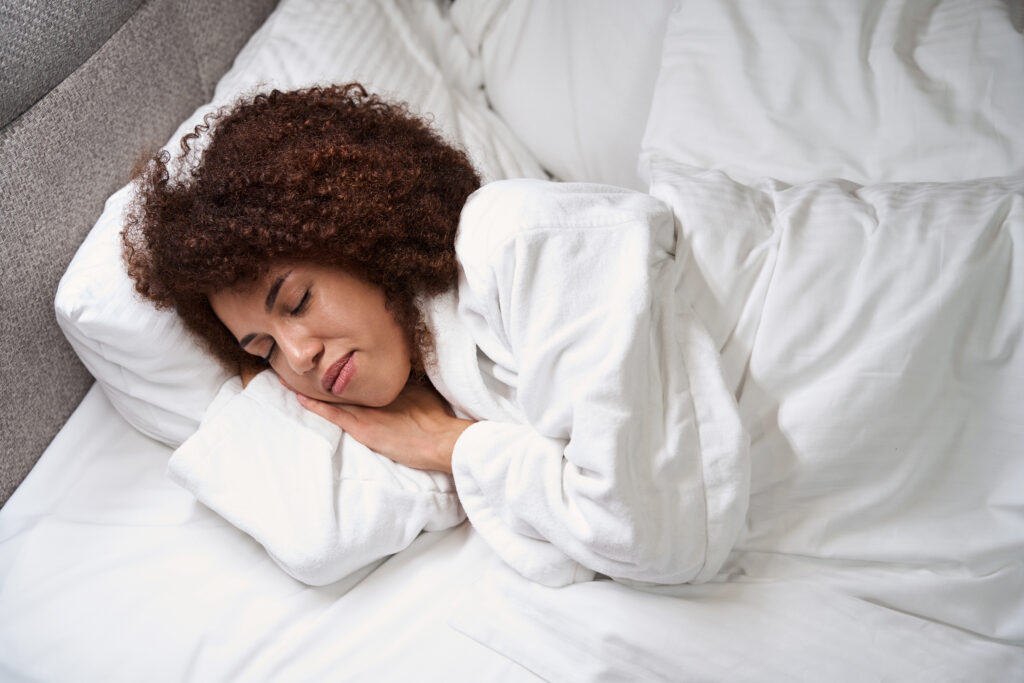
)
(322, 504)
(572, 79)
(866, 91)
(153, 372)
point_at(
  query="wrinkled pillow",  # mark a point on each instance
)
(321, 504)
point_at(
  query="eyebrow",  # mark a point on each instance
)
(268, 305)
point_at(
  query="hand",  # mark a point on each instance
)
(417, 429)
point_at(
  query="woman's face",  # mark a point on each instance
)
(326, 333)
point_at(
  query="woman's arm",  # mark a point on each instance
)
(417, 430)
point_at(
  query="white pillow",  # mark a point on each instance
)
(573, 79)
(150, 368)
(868, 91)
(322, 504)
(153, 372)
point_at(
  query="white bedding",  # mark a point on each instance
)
(873, 333)
(111, 572)
(320, 503)
(794, 630)
(866, 90)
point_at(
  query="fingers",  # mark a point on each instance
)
(330, 412)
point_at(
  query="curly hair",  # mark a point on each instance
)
(325, 175)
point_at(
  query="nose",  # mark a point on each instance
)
(299, 350)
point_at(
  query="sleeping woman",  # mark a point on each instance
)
(528, 337)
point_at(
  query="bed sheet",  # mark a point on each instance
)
(110, 572)
(794, 630)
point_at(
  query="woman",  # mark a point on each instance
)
(338, 240)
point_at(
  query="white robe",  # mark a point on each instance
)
(607, 438)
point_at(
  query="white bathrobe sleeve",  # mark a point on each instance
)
(321, 504)
(632, 461)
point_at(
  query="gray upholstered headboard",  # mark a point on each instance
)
(85, 88)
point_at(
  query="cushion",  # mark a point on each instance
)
(153, 372)
(322, 504)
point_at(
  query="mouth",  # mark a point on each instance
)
(338, 375)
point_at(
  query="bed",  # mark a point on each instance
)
(847, 181)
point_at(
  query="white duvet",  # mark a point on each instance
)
(875, 338)
(875, 334)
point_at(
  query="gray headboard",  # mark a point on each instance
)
(85, 88)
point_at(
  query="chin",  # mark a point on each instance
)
(381, 401)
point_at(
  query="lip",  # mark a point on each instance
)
(338, 375)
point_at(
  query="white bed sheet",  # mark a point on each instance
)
(736, 632)
(110, 572)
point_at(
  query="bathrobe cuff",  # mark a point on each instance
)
(522, 549)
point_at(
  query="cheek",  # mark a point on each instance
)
(300, 384)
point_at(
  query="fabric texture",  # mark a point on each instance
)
(573, 79)
(868, 91)
(45, 41)
(796, 630)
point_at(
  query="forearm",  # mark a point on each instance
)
(443, 445)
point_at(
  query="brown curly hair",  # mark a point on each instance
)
(326, 175)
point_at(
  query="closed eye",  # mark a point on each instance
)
(270, 353)
(302, 304)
